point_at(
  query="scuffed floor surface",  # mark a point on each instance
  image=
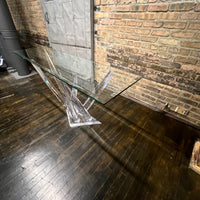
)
(146, 156)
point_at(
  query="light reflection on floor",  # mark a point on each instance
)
(40, 168)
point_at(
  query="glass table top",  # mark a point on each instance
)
(98, 81)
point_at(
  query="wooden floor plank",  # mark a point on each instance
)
(136, 153)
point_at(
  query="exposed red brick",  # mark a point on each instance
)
(141, 1)
(166, 45)
(101, 15)
(197, 36)
(119, 35)
(149, 39)
(195, 116)
(191, 68)
(146, 16)
(195, 53)
(158, 7)
(160, 33)
(184, 52)
(173, 50)
(168, 41)
(167, 15)
(195, 110)
(100, 28)
(106, 2)
(196, 98)
(138, 8)
(106, 21)
(119, 22)
(189, 44)
(105, 8)
(122, 8)
(183, 34)
(129, 16)
(142, 31)
(112, 28)
(153, 47)
(134, 23)
(194, 26)
(137, 44)
(197, 8)
(97, 2)
(126, 29)
(181, 6)
(115, 15)
(152, 24)
(130, 43)
(190, 16)
(175, 25)
(133, 37)
(188, 60)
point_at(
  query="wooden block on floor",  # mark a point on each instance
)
(195, 159)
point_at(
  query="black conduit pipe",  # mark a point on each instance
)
(9, 41)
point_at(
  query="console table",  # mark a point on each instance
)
(69, 74)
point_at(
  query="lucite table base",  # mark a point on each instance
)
(77, 112)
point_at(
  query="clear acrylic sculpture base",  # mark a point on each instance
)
(77, 112)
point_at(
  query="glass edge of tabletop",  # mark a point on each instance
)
(70, 83)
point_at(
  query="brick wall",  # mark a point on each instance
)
(159, 40)
(27, 16)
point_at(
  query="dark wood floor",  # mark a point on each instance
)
(145, 157)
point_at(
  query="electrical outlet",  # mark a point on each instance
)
(176, 109)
